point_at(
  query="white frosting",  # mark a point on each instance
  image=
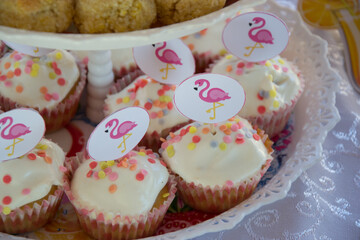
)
(274, 80)
(132, 194)
(37, 175)
(38, 82)
(211, 161)
(171, 117)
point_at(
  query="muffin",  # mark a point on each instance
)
(37, 15)
(272, 89)
(217, 168)
(156, 98)
(92, 16)
(31, 188)
(174, 11)
(51, 84)
(121, 199)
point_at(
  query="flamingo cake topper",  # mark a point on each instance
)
(224, 94)
(167, 62)
(20, 131)
(267, 36)
(117, 134)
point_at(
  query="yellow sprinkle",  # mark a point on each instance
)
(101, 174)
(223, 146)
(52, 75)
(6, 210)
(110, 163)
(41, 146)
(49, 64)
(170, 151)
(58, 55)
(165, 195)
(222, 52)
(34, 73)
(272, 93)
(268, 64)
(192, 129)
(229, 56)
(103, 165)
(270, 77)
(276, 104)
(126, 99)
(228, 124)
(36, 60)
(165, 99)
(16, 64)
(191, 146)
(141, 153)
(35, 66)
(281, 61)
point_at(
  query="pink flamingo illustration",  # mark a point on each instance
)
(122, 130)
(14, 133)
(262, 36)
(169, 57)
(214, 95)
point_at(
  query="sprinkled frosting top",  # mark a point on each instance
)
(231, 155)
(155, 97)
(269, 85)
(30, 177)
(37, 82)
(128, 186)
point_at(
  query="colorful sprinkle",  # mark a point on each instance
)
(213, 144)
(25, 191)
(113, 176)
(52, 75)
(276, 104)
(93, 164)
(142, 154)
(256, 137)
(6, 200)
(191, 146)
(229, 183)
(112, 188)
(192, 129)
(133, 167)
(31, 156)
(126, 99)
(285, 69)
(19, 89)
(101, 174)
(196, 139)
(163, 163)
(239, 141)
(241, 65)
(61, 81)
(268, 63)
(205, 130)
(229, 68)
(7, 179)
(140, 176)
(261, 109)
(58, 55)
(229, 56)
(227, 139)
(223, 146)
(234, 127)
(17, 72)
(272, 93)
(6, 210)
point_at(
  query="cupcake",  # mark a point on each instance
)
(156, 98)
(272, 89)
(217, 168)
(93, 16)
(31, 188)
(37, 15)
(121, 199)
(51, 84)
(174, 11)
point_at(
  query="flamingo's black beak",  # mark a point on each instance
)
(107, 130)
(250, 24)
(153, 45)
(195, 88)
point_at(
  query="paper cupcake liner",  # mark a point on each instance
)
(3, 48)
(27, 218)
(203, 61)
(118, 227)
(60, 115)
(123, 71)
(272, 122)
(221, 198)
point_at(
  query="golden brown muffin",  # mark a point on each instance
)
(93, 16)
(174, 11)
(37, 15)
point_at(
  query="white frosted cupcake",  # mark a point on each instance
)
(31, 188)
(51, 84)
(217, 170)
(156, 98)
(272, 89)
(121, 199)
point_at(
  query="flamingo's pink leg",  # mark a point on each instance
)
(253, 48)
(167, 70)
(214, 109)
(126, 136)
(13, 145)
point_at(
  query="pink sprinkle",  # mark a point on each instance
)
(239, 141)
(133, 161)
(26, 191)
(107, 170)
(131, 154)
(153, 115)
(29, 63)
(238, 136)
(113, 176)
(8, 84)
(17, 57)
(96, 175)
(276, 67)
(249, 65)
(228, 20)
(234, 127)
(27, 69)
(143, 171)
(285, 69)
(152, 155)
(2, 77)
(48, 97)
(164, 145)
(241, 125)
(262, 63)
(55, 96)
(62, 169)
(132, 96)
(239, 71)
(227, 139)
(256, 137)
(177, 138)
(229, 183)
